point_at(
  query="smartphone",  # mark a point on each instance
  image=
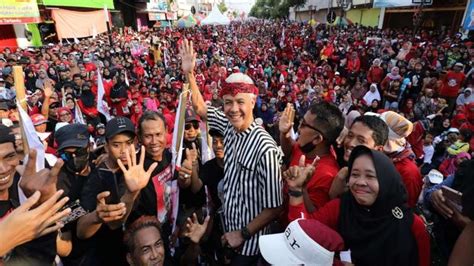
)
(109, 180)
(454, 196)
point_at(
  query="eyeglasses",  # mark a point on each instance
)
(64, 114)
(193, 124)
(65, 155)
(305, 124)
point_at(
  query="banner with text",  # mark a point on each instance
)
(17, 12)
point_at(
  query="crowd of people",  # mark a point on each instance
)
(330, 145)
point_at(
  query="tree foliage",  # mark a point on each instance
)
(274, 8)
(222, 7)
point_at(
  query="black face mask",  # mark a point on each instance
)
(77, 162)
(308, 147)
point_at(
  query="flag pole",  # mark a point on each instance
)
(19, 81)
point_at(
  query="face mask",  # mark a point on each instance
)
(75, 163)
(308, 147)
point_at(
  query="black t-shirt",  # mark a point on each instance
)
(146, 203)
(109, 243)
(211, 174)
(73, 185)
(40, 251)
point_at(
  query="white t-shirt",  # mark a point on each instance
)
(429, 151)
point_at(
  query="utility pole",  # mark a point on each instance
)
(107, 22)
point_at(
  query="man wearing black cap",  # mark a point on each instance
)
(110, 193)
(74, 150)
(52, 115)
(191, 134)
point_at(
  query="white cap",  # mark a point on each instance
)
(304, 241)
(435, 176)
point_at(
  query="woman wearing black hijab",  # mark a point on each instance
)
(119, 96)
(30, 80)
(373, 217)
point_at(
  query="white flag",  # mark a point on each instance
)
(78, 118)
(178, 132)
(126, 78)
(32, 138)
(282, 39)
(101, 104)
(207, 153)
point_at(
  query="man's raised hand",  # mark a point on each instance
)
(43, 181)
(188, 56)
(136, 178)
(286, 120)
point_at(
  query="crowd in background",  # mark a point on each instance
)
(320, 92)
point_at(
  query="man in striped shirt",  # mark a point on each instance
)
(252, 177)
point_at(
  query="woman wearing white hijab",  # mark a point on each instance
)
(372, 94)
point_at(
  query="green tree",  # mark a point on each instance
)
(274, 8)
(222, 7)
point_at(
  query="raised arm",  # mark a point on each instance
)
(188, 61)
(285, 125)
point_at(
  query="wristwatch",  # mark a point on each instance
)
(245, 233)
(295, 193)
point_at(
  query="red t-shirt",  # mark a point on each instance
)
(412, 179)
(452, 83)
(329, 215)
(320, 183)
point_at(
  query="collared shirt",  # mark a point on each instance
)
(252, 177)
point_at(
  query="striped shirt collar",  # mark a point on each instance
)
(247, 131)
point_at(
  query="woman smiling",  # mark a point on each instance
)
(372, 217)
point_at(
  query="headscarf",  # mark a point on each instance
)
(40, 81)
(399, 128)
(453, 163)
(458, 120)
(119, 90)
(30, 82)
(370, 96)
(87, 97)
(62, 109)
(376, 235)
(394, 74)
(351, 117)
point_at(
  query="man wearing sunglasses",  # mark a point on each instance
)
(318, 130)
(74, 150)
(191, 134)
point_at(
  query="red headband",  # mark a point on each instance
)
(236, 88)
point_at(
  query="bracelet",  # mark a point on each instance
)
(294, 193)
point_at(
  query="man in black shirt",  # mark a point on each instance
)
(40, 251)
(111, 191)
(74, 150)
(212, 172)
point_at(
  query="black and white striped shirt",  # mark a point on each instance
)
(252, 177)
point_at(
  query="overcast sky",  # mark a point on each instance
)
(241, 5)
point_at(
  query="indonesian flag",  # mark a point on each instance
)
(101, 104)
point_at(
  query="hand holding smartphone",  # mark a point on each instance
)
(109, 180)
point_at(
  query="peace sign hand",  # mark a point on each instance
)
(136, 178)
(298, 176)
